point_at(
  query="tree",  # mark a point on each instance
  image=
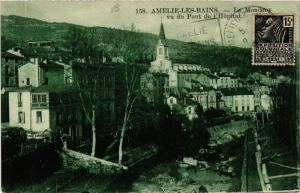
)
(7, 43)
(131, 97)
(87, 74)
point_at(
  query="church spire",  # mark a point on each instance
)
(162, 36)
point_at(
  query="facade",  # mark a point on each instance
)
(45, 109)
(11, 60)
(83, 77)
(36, 73)
(207, 97)
(227, 81)
(238, 99)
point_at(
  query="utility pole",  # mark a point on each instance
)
(297, 115)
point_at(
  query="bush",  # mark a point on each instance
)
(12, 141)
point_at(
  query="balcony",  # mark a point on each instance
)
(39, 105)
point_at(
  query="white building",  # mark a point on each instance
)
(29, 110)
(45, 108)
(238, 99)
(163, 64)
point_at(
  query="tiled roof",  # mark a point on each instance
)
(11, 55)
(236, 91)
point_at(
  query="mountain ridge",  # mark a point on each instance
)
(22, 29)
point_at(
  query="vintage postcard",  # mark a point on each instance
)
(150, 96)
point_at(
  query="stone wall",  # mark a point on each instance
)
(227, 132)
(93, 165)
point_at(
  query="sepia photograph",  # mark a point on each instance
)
(150, 96)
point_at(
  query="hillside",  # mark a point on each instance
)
(21, 29)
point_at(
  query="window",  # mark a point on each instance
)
(27, 81)
(34, 98)
(236, 108)
(171, 100)
(44, 98)
(160, 51)
(39, 98)
(39, 117)
(243, 108)
(20, 102)
(248, 108)
(21, 117)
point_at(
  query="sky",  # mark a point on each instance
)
(121, 14)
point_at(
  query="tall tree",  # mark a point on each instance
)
(131, 97)
(88, 70)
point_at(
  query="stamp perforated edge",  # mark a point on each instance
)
(253, 39)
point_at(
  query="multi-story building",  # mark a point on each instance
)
(207, 97)
(238, 99)
(11, 60)
(37, 73)
(227, 81)
(46, 109)
(97, 78)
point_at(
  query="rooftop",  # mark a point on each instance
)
(236, 91)
(11, 53)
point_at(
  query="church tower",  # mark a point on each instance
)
(162, 51)
(161, 64)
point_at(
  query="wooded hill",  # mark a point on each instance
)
(17, 30)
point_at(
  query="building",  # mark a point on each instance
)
(238, 99)
(154, 87)
(207, 97)
(190, 107)
(11, 60)
(265, 79)
(172, 102)
(39, 72)
(227, 81)
(179, 75)
(186, 106)
(41, 44)
(97, 78)
(46, 109)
